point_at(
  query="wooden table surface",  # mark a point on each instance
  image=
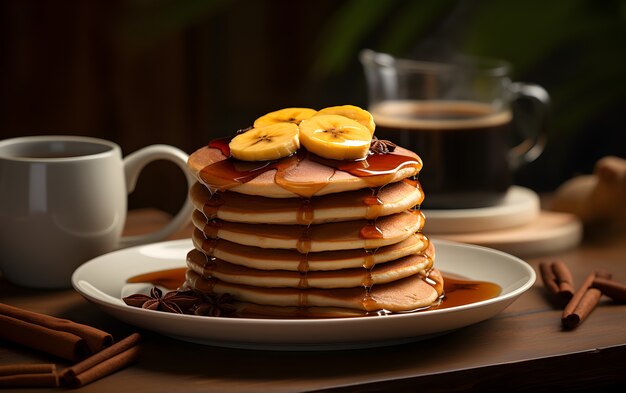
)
(521, 348)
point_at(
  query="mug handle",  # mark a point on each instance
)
(133, 165)
(529, 149)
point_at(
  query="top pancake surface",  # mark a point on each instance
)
(299, 175)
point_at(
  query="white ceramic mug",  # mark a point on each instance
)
(63, 201)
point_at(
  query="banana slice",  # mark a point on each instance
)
(351, 112)
(335, 137)
(287, 115)
(266, 143)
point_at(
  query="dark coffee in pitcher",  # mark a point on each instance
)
(464, 146)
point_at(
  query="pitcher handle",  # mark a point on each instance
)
(529, 149)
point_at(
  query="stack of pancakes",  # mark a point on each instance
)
(303, 238)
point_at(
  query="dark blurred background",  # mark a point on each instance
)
(182, 72)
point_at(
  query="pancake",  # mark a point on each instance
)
(344, 235)
(410, 293)
(307, 236)
(251, 310)
(282, 259)
(301, 174)
(345, 278)
(366, 203)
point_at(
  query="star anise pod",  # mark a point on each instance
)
(174, 301)
(186, 299)
(381, 146)
(214, 305)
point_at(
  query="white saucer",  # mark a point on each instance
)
(519, 207)
(103, 281)
(549, 233)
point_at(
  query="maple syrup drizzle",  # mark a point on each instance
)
(212, 205)
(368, 302)
(225, 174)
(411, 182)
(303, 265)
(368, 283)
(222, 145)
(374, 204)
(306, 189)
(211, 228)
(369, 261)
(304, 247)
(304, 241)
(209, 266)
(170, 279)
(372, 165)
(304, 281)
(303, 298)
(371, 231)
(305, 213)
(418, 212)
(209, 245)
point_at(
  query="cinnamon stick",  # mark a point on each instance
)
(610, 288)
(557, 279)
(103, 363)
(39, 368)
(62, 344)
(583, 302)
(95, 339)
(28, 375)
(565, 279)
(549, 279)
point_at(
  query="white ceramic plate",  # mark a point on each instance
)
(103, 281)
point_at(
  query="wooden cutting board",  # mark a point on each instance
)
(548, 233)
